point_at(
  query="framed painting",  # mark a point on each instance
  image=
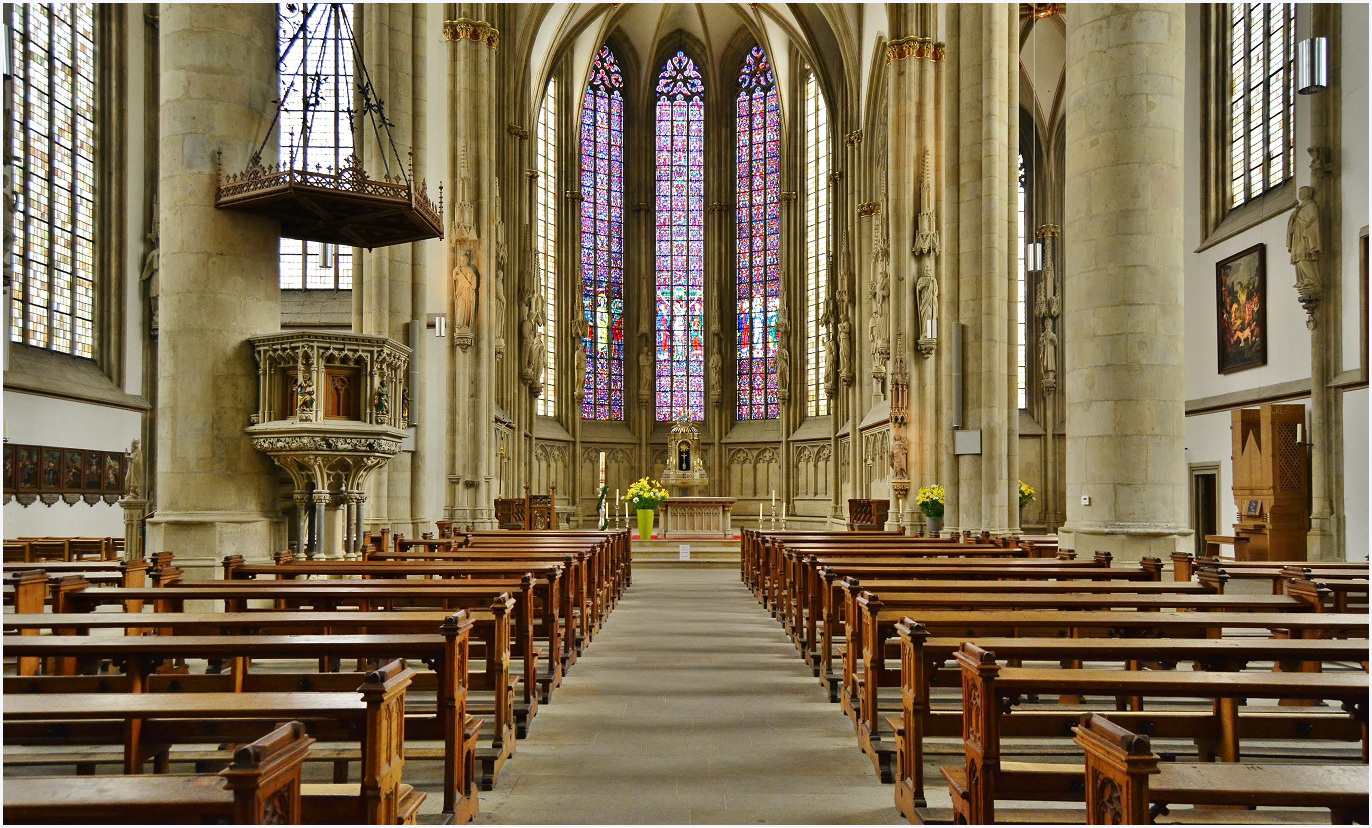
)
(1241, 292)
(11, 477)
(73, 468)
(114, 473)
(93, 475)
(50, 473)
(26, 467)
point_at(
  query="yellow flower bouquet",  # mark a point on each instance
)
(1026, 494)
(930, 501)
(646, 494)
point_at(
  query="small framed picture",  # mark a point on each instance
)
(1241, 294)
(1254, 508)
(114, 472)
(73, 466)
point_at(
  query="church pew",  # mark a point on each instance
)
(833, 605)
(553, 608)
(922, 657)
(1185, 564)
(260, 787)
(991, 692)
(445, 651)
(1126, 782)
(144, 721)
(1330, 594)
(334, 594)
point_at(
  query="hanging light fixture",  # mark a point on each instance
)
(1312, 65)
(339, 203)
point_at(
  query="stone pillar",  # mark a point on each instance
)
(134, 511)
(984, 55)
(472, 40)
(219, 285)
(1123, 325)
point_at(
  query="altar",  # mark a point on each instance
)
(697, 517)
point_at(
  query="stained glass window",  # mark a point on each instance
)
(1261, 113)
(545, 237)
(602, 238)
(759, 236)
(1022, 291)
(680, 163)
(816, 242)
(52, 150)
(316, 65)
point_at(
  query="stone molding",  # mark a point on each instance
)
(919, 48)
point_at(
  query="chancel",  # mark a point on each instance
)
(660, 412)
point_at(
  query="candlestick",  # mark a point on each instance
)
(759, 516)
(774, 500)
(602, 468)
(1298, 433)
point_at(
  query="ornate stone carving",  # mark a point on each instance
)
(1303, 241)
(133, 471)
(477, 31)
(465, 286)
(920, 48)
(317, 443)
(715, 366)
(464, 207)
(927, 241)
(900, 456)
(843, 298)
(501, 257)
(829, 335)
(645, 368)
(578, 367)
(535, 347)
(783, 357)
(1048, 356)
(926, 293)
(878, 325)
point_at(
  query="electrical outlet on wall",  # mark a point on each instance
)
(1086, 500)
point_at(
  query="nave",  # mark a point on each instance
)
(690, 707)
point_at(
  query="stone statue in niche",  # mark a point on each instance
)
(540, 341)
(405, 406)
(645, 368)
(926, 292)
(381, 405)
(845, 348)
(529, 335)
(900, 461)
(152, 265)
(879, 328)
(927, 242)
(843, 309)
(1048, 348)
(1304, 243)
(501, 256)
(578, 367)
(464, 290)
(715, 365)
(827, 332)
(305, 396)
(783, 355)
(133, 471)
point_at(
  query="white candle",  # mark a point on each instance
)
(774, 500)
(1298, 433)
(783, 513)
(759, 516)
(602, 468)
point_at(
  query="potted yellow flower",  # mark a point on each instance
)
(1026, 495)
(645, 495)
(930, 502)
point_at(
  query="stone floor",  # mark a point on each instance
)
(691, 706)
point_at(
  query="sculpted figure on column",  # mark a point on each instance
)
(528, 338)
(1303, 242)
(464, 290)
(501, 254)
(152, 264)
(133, 471)
(715, 365)
(645, 368)
(881, 291)
(1048, 348)
(926, 226)
(783, 355)
(579, 367)
(926, 291)
(900, 461)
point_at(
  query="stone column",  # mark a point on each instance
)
(134, 510)
(219, 285)
(472, 41)
(1123, 325)
(984, 56)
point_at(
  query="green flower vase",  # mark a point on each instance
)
(645, 523)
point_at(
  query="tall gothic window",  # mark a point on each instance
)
(1261, 113)
(316, 66)
(680, 165)
(759, 236)
(816, 242)
(545, 237)
(1022, 291)
(602, 238)
(52, 150)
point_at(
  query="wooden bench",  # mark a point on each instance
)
(445, 651)
(923, 656)
(144, 722)
(990, 692)
(1126, 783)
(260, 787)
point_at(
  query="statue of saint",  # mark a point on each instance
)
(783, 370)
(926, 290)
(1048, 348)
(900, 461)
(578, 368)
(464, 291)
(645, 367)
(1303, 242)
(382, 404)
(152, 265)
(133, 471)
(845, 349)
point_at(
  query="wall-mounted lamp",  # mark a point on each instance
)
(1312, 65)
(440, 325)
(1033, 256)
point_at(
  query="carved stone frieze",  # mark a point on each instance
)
(477, 31)
(920, 48)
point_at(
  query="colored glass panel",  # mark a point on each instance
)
(1022, 293)
(602, 238)
(545, 239)
(758, 220)
(1261, 112)
(315, 65)
(680, 261)
(52, 157)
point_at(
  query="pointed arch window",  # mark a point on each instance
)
(311, 41)
(1262, 125)
(680, 163)
(816, 242)
(602, 238)
(53, 54)
(545, 238)
(758, 277)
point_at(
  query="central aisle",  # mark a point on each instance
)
(691, 705)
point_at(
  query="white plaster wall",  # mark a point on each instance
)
(1353, 170)
(1355, 463)
(433, 371)
(35, 420)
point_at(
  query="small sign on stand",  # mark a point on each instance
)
(684, 550)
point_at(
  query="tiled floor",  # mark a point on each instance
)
(690, 706)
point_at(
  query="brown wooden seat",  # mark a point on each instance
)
(260, 787)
